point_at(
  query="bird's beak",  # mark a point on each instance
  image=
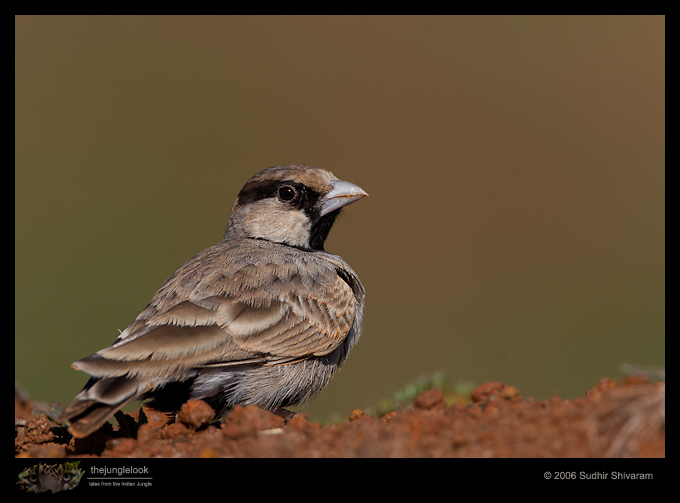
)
(341, 194)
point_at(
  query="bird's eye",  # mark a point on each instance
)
(287, 193)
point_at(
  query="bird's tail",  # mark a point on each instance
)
(100, 399)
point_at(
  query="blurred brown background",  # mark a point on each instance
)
(516, 166)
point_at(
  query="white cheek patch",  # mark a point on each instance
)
(269, 219)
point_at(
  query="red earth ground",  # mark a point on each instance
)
(625, 419)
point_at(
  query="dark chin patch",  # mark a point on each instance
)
(321, 229)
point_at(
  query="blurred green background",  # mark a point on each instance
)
(516, 165)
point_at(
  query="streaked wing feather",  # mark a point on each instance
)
(288, 306)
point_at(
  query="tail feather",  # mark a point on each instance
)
(99, 400)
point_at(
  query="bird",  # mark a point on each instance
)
(264, 317)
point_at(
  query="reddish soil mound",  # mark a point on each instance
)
(610, 421)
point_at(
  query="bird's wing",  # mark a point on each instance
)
(264, 306)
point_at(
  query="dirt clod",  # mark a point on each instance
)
(356, 414)
(195, 413)
(429, 399)
(492, 391)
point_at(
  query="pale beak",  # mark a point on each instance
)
(341, 194)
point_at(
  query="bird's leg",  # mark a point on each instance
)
(285, 414)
